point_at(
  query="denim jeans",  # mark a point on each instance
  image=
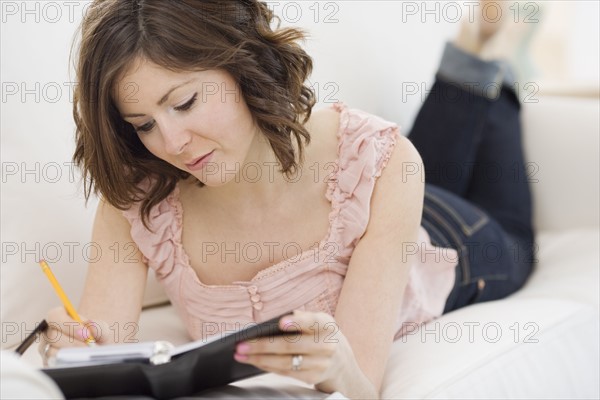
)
(477, 195)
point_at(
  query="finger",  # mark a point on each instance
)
(297, 343)
(52, 340)
(59, 320)
(284, 364)
(48, 350)
(309, 370)
(44, 351)
(60, 339)
(95, 331)
(306, 321)
(321, 326)
(271, 345)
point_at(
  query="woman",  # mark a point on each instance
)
(196, 129)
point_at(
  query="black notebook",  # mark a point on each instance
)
(156, 369)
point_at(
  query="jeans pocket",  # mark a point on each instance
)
(464, 216)
(451, 221)
(442, 233)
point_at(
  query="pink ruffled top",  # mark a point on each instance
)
(313, 279)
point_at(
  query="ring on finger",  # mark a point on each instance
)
(46, 350)
(296, 362)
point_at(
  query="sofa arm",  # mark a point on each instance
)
(561, 140)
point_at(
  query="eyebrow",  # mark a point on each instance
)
(162, 99)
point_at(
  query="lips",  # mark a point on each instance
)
(198, 161)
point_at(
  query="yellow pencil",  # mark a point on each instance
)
(65, 300)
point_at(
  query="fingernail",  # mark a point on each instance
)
(81, 333)
(242, 348)
(85, 333)
(240, 357)
(286, 323)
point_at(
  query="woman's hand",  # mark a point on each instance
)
(63, 331)
(315, 351)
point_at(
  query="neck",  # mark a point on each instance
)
(257, 183)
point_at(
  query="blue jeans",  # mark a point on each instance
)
(477, 196)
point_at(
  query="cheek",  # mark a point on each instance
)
(229, 115)
(240, 126)
(217, 124)
(153, 143)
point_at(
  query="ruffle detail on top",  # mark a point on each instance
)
(160, 246)
(365, 143)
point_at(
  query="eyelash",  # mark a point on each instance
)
(182, 108)
(188, 105)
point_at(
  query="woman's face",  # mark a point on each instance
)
(196, 121)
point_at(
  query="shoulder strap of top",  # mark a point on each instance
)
(365, 145)
(161, 244)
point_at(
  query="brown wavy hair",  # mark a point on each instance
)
(268, 64)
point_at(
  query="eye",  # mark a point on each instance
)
(144, 128)
(188, 104)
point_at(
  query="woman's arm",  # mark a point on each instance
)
(112, 297)
(352, 359)
(373, 289)
(115, 284)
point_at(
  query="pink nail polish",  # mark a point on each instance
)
(287, 323)
(80, 334)
(240, 357)
(242, 348)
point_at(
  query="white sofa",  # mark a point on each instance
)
(541, 342)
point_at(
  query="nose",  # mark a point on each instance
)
(176, 137)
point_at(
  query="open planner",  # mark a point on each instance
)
(157, 369)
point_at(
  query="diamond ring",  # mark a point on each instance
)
(45, 351)
(296, 362)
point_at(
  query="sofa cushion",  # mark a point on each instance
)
(561, 148)
(541, 333)
(568, 267)
(511, 348)
(20, 381)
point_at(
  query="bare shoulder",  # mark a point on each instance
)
(108, 212)
(404, 161)
(323, 127)
(325, 119)
(399, 191)
(403, 171)
(111, 226)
